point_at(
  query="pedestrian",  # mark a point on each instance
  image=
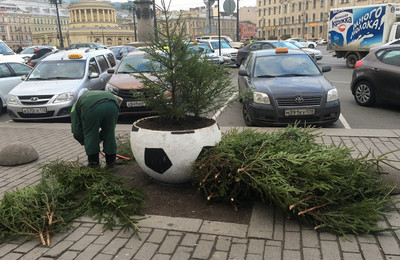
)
(92, 111)
(251, 39)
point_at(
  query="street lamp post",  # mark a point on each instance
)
(133, 9)
(237, 22)
(59, 24)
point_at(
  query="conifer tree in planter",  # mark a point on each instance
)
(183, 89)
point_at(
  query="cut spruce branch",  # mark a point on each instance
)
(67, 191)
(321, 185)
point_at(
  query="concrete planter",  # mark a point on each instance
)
(168, 156)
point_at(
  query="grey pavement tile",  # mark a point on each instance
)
(27, 246)
(106, 237)
(208, 237)
(161, 257)
(330, 250)
(327, 236)
(256, 246)
(393, 218)
(254, 257)
(172, 223)
(115, 244)
(12, 256)
(223, 243)
(309, 238)
(183, 252)
(59, 248)
(311, 253)
(68, 255)
(291, 254)
(292, 225)
(261, 221)
(103, 257)
(190, 239)
(169, 244)
(366, 239)
(389, 244)
(34, 253)
(273, 252)
(157, 236)
(135, 243)
(90, 252)
(203, 249)
(349, 244)
(392, 257)
(146, 251)
(292, 240)
(240, 240)
(77, 234)
(125, 254)
(224, 228)
(280, 217)
(371, 252)
(352, 256)
(175, 233)
(278, 232)
(84, 242)
(218, 255)
(237, 251)
(273, 243)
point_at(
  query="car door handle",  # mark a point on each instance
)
(375, 69)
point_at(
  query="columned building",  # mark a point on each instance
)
(96, 21)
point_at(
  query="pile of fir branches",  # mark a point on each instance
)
(67, 191)
(322, 185)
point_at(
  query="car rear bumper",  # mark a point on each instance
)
(268, 115)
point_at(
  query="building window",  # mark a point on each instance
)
(320, 29)
(306, 5)
(298, 31)
(313, 17)
(10, 29)
(292, 19)
(3, 37)
(332, 1)
(322, 3)
(299, 6)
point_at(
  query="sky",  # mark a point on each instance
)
(186, 4)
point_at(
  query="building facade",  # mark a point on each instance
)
(306, 19)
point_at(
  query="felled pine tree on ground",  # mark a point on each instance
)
(321, 185)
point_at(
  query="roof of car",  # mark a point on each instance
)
(271, 52)
(86, 53)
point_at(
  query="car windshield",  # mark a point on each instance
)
(285, 66)
(4, 49)
(200, 48)
(115, 50)
(285, 44)
(298, 45)
(60, 69)
(28, 51)
(132, 63)
(224, 45)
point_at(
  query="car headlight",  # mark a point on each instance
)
(226, 54)
(112, 88)
(64, 97)
(12, 100)
(261, 98)
(332, 95)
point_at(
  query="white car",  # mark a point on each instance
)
(315, 54)
(8, 55)
(10, 76)
(227, 52)
(304, 43)
(236, 45)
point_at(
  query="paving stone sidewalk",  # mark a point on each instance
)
(268, 235)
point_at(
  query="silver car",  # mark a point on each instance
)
(10, 76)
(54, 84)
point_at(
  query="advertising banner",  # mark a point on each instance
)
(359, 26)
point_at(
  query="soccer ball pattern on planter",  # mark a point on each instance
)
(168, 156)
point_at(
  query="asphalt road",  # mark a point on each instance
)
(353, 116)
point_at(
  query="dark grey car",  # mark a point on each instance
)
(377, 76)
(281, 86)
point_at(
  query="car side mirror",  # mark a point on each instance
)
(243, 73)
(94, 75)
(23, 77)
(326, 69)
(111, 71)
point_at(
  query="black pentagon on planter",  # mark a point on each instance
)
(157, 160)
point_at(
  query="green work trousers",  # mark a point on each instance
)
(104, 116)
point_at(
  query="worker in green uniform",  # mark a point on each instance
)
(92, 111)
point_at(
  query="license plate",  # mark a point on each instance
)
(34, 110)
(135, 104)
(299, 112)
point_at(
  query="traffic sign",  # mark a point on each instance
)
(229, 6)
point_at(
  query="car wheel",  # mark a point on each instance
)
(246, 115)
(351, 60)
(364, 94)
(311, 46)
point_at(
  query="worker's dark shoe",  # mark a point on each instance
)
(110, 161)
(93, 160)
